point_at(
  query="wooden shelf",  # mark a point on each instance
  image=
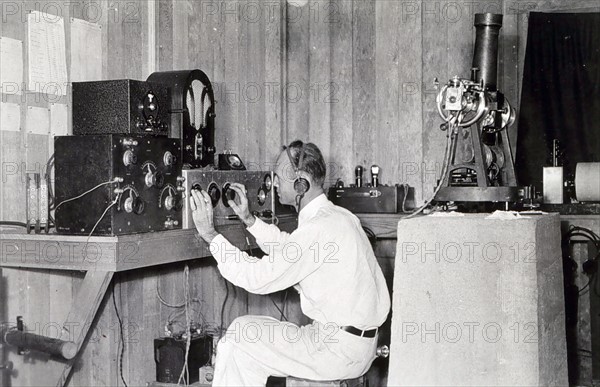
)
(128, 252)
(119, 253)
(114, 254)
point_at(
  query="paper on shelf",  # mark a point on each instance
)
(506, 215)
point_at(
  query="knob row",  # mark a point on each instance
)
(227, 193)
(130, 158)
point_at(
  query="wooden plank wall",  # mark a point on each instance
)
(187, 36)
(353, 76)
(24, 152)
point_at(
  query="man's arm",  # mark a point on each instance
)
(262, 231)
(290, 256)
(267, 235)
(285, 265)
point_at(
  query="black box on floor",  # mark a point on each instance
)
(169, 355)
(121, 106)
(380, 199)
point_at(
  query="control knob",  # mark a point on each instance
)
(154, 179)
(214, 193)
(172, 202)
(129, 158)
(228, 194)
(133, 204)
(169, 159)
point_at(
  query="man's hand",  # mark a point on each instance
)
(202, 213)
(241, 208)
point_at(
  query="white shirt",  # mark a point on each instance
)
(328, 259)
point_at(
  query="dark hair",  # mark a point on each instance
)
(313, 162)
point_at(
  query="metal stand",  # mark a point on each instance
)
(474, 184)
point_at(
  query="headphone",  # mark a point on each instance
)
(301, 185)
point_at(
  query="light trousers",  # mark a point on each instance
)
(256, 347)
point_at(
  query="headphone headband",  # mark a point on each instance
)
(300, 164)
(301, 185)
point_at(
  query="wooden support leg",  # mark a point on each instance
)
(82, 313)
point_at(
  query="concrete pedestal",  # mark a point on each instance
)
(478, 302)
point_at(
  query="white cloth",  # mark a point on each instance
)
(330, 262)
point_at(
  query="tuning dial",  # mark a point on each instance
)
(169, 159)
(155, 179)
(128, 205)
(149, 106)
(228, 194)
(268, 183)
(170, 202)
(133, 204)
(214, 193)
(261, 196)
(129, 158)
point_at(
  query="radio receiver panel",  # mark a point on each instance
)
(117, 184)
(259, 191)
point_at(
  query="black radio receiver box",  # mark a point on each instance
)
(117, 184)
(380, 199)
(122, 106)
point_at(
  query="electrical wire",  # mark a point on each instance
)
(585, 287)
(591, 235)
(299, 201)
(103, 214)
(162, 301)
(87, 241)
(405, 188)
(281, 309)
(121, 336)
(593, 282)
(85, 193)
(284, 304)
(99, 220)
(223, 307)
(449, 145)
(370, 235)
(185, 373)
(47, 176)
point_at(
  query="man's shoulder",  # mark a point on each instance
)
(336, 214)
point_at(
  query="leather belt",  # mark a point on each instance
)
(355, 331)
